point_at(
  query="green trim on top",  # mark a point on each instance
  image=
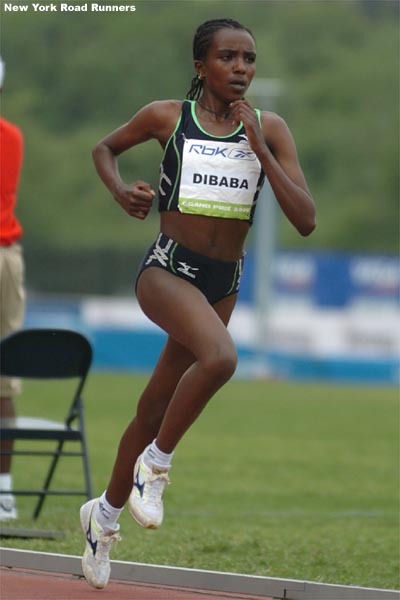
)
(219, 137)
(258, 113)
(172, 135)
(178, 170)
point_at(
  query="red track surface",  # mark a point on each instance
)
(21, 584)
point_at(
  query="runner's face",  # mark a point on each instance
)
(229, 66)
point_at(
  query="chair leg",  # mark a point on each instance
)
(85, 456)
(86, 469)
(47, 482)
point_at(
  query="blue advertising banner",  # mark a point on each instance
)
(329, 279)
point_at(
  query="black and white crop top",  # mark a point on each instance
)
(204, 174)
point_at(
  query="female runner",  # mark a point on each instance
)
(217, 151)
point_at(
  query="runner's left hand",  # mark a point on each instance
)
(242, 111)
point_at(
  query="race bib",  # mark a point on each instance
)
(218, 179)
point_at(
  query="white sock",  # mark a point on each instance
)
(6, 482)
(106, 515)
(154, 456)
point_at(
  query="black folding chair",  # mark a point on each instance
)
(48, 354)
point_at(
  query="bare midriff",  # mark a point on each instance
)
(214, 237)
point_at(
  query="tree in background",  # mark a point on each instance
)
(74, 77)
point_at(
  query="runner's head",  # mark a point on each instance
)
(202, 42)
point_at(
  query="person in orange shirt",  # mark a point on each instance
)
(12, 288)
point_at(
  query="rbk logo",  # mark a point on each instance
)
(238, 153)
(241, 154)
(185, 269)
(208, 150)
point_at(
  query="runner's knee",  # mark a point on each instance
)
(220, 363)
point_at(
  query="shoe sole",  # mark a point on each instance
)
(145, 523)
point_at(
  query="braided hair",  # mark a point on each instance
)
(201, 44)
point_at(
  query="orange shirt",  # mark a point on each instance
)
(11, 149)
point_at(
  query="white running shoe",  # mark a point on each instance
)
(145, 500)
(8, 509)
(96, 559)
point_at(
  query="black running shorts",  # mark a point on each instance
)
(215, 278)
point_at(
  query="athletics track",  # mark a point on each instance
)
(19, 584)
(28, 575)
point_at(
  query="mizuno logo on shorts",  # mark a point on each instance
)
(187, 269)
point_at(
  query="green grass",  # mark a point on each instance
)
(275, 479)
